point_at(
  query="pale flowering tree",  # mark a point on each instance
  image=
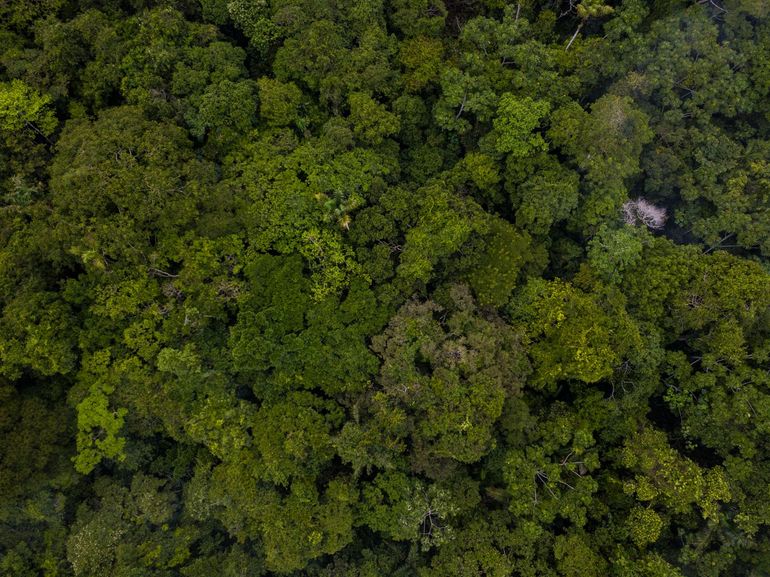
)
(644, 212)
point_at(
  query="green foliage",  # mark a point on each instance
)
(20, 14)
(227, 106)
(606, 145)
(34, 453)
(445, 222)
(550, 474)
(37, 335)
(299, 342)
(575, 556)
(371, 122)
(611, 252)
(293, 438)
(420, 17)
(22, 108)
(278, 102)
(406, 510)
(118, 163)
(547, 196)
(574, 338)
(498, 264)
(592, 9)
(463, 94)
(254, 19)
(667, 477)
(307, 525)
(312, 57)
(514, 123)
(451, 407)
(644, 526)
(479, 548)
(347, 289)
(99, 427)
(421, 57)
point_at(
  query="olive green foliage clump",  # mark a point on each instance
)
(421, 288)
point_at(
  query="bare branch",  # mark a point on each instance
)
(644, 212)
(462, 106)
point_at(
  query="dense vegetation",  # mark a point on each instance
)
(362, 288)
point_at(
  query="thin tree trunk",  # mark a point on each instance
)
(571, 40)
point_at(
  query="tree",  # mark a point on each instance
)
(448, 383)
(104, 173)
(612, 251)
(575, 556)
(515, 121)
(19, 14)
(371, 122)
(547, 194)
(279, 102)
(573, 336)
(99, 427)
(606, 146)
(497, 263)
(663, 476)
(38, 335)
(552, 460)
(24, 109)
(292, 341)
(462, 94)
(226, 110)
(445, 222)
(254, 19)
(418, 18)
(422, 58)
(586, 10)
